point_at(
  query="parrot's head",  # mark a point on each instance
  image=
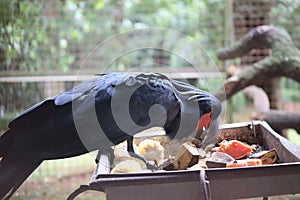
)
(200, 114)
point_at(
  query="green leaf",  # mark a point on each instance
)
(64, 67)
(98, 5)
(32, 54)
(74, 34)
(23, 6)
(11, 52)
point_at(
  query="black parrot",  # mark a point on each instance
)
(100, 113)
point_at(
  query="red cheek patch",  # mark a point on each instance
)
(204, 121)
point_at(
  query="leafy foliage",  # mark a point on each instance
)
(38, 36)
(58, 34)
(286, 14)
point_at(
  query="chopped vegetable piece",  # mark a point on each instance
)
(244, 163)
(236, 164)
(254, 162)
(187, 156)
(127, 166)
(267, 157)
(219, 159)
(152, 150)
(235, 148)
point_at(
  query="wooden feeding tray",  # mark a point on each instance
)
(213, 183)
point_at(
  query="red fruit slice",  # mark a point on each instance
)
(244, 163)
(235, 148)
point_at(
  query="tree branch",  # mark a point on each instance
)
(284, 61)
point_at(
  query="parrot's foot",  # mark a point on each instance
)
(142, 158)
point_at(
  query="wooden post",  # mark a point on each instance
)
(229, 39)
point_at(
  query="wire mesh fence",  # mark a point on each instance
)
(51, 38)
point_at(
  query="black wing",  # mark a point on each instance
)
(48, 128)
(82, 119)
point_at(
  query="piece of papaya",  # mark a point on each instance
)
(235, 148)
(254, 162)
(236, 164)
(244, 163)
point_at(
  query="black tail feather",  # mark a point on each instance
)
(5, 142)
(13, 172)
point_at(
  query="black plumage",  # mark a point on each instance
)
(97, 114)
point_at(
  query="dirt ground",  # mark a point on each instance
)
(57, 188)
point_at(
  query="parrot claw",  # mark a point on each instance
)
(142, 158)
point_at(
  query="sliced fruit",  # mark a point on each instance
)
(235, 148)
(244, 163)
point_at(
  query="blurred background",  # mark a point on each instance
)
(44, 43)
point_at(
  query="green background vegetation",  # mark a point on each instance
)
(50, 37)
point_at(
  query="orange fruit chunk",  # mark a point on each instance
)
(245, 163)
(236, 164)
(235, 148)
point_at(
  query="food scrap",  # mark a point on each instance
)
(235, 148)
(120, 150)
(188, 156)
(127, 166)
(267, 157)
(218, 159)
(244, 163)
(152, 150)
(123, 162)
